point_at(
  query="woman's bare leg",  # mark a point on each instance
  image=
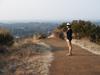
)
(69, 47)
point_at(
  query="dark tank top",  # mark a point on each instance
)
(69, 34)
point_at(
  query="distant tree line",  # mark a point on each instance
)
(84, 29)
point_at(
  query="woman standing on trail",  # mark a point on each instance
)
(68, 38)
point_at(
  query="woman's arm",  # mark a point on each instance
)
(65, 35)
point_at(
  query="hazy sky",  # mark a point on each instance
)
(49, 9)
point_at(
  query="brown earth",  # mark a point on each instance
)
(81, 62)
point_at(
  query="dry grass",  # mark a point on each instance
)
(86, 44)
(26, 58)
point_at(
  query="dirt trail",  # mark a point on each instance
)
(81, 63)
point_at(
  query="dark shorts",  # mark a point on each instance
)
(69, 38)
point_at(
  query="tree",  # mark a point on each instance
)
(62, 26)
(82, 29)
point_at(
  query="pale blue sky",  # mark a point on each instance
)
(49, 9)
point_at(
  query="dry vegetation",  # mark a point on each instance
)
(26, 57)
(87, 45)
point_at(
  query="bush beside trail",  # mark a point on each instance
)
(6, 38)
